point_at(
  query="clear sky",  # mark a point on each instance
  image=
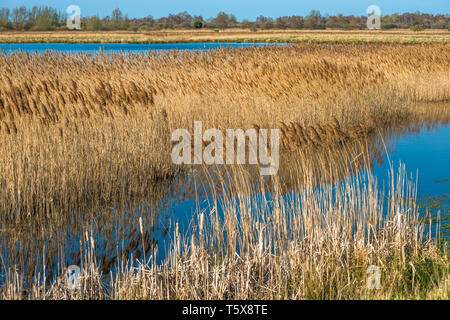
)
(243, 9)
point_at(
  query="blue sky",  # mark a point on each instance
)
(243, 9)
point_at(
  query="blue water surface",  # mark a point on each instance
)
(123, 47)
(426, 154)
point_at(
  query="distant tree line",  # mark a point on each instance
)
(46, 18)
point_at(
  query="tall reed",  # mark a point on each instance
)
(85, 137)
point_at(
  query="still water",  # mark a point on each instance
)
(119, 47)
(422, 148)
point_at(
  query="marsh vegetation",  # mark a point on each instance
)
(85, 154)
(229, 35)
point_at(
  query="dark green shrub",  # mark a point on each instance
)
(417, 27)
(197, 24)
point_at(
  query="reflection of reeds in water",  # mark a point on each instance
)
(83, 137)
(316, 243)
(259, 241)
(59, 242)
(323, 164)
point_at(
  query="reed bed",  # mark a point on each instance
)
(228, 35)
(79, 131)
(85, 137)
(316, 243)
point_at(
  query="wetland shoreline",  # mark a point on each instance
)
(85, 149)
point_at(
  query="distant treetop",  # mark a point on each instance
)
(47, 18)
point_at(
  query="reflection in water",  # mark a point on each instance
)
(144, 230)
(88, 48)
(436, 209)
(110, 234)
(425, 149)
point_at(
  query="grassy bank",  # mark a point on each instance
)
(83, 137)
(229, 35)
